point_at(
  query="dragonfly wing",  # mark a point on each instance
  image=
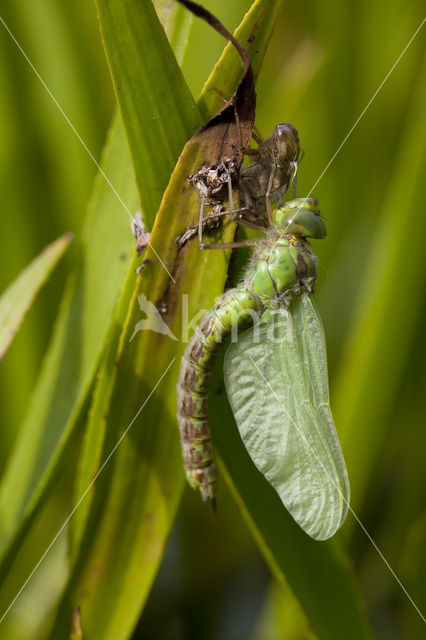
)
(276, 380)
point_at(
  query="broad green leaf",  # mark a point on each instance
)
(76, 346)
(177, 22)
(158, 110)
(85, 317)
(277, 384)
(94, 445)
(69, 76)
(46, 176)
(138, 492)
(19, 296)
(384, 322)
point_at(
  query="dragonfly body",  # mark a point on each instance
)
(233, 309)
(282, 267)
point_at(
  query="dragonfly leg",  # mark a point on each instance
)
(296, 164)
(294, 179)
(200, 223)
(268, 193)
(255, 133)
(221, 94)
(224, 245)
(251, 225)
(250, 152)
(237, 122)
(203, 245)
(248, 200)
(246, 208)
(192, 229)
(229, 179)
(237, 119)
(231, 212)
(256, 136)
(229, 245)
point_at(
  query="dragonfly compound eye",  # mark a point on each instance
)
(300, 218)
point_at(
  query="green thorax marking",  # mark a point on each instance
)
(281, 267)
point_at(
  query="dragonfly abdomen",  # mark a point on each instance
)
(235, 309)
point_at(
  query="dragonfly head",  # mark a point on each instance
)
(300, 217)
(286, 142)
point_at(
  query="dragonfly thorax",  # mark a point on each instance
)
(282, 267)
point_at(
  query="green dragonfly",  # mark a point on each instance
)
(275, 376)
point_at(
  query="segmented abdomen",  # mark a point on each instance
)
(234, 309)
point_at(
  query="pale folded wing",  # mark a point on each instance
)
(277, 383)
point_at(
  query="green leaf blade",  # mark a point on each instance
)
(157, 107)
(83, 324)
(74, 352)
(19, 296)
(382, 324)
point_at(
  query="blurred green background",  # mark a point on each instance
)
(325, 62)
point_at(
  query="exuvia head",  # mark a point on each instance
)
(287, 141)
(300, 217)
